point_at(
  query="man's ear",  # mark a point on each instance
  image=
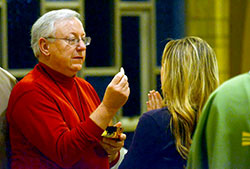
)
(44, 46)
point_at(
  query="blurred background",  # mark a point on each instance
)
(132, 34)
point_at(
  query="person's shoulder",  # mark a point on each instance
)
(6, 76)
(23, 86)
(6, 73)
(160, 116)
(235, 90)
(158, 113)
(234, 86)
(236, 81)
(27, 80)
(30, 82)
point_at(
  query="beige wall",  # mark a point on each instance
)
(209, 19)
(245, 61)
(237, 22)
(225, 24)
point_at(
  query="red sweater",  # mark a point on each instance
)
(48, 126)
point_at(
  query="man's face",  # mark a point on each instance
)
(64, 57)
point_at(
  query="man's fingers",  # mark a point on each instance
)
(118, 77)
(110, 149)
(118, 124)
(123, 137)
(112, 142)
(124, 81)
(117, 92)
(125, 87)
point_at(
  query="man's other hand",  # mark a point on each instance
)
(113, 146)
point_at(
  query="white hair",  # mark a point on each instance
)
(44, 26)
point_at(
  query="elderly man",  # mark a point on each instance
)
(7, 82)
(55, 118)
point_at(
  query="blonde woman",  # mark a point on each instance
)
(163, 136)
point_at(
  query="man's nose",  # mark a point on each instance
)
(81, 45)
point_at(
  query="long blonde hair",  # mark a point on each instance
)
(189, 75)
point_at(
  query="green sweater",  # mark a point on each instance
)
(222, 137)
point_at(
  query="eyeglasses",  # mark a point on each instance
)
(74, 41)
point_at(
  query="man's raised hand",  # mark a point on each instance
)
(117, 92)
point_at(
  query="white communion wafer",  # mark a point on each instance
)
(122, 70)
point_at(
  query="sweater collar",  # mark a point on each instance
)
(55, 75)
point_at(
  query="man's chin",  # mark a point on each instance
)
(77, 67)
